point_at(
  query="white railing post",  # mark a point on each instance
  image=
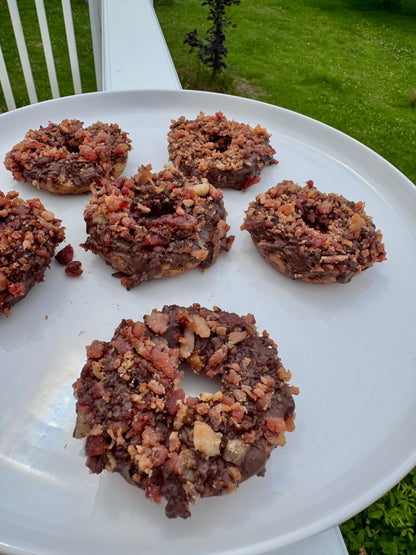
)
(47, 48)
(21, 46)
(96, 35)
(72, 47)
(5, 84)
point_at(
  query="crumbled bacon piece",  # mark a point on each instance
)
(65, 255)
(74, 268)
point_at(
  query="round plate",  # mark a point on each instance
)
(350, 349)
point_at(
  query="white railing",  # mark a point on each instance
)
(114, 24)
(47, 50)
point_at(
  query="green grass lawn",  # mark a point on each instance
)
(347, 63)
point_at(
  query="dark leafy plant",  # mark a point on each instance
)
(388, 527)
(212, 51)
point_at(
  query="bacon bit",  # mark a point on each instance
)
(187, 343)
(172, 400)
(200, 254)
(174, 463)
(290, 423)
(141, 421)
(98, 390)
(156, 387)
(357, 223)
(138, 330)
(275, 424)
(324, 207)
(199, 325)
(195, 362)
(159, 455)
(251, 181)
(233, 377)
(236, 337)
(122, 345)
(218, 356)
(184, 222)
(157, 321)
(155, 240)
(95, 350)
(180, 415)
(87, 152)
(284, 374)
(112, 202)
(174, 441)
(17, 289)
(149, 437)
(65, 255)
(287, 209)
(319, 240)
(74, 268)
(165, 361)
(95, 445)
(152, 492)
(48, 215)
(238, 413)
(226, 399)
(264, 403)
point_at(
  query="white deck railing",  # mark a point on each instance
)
(116, 26)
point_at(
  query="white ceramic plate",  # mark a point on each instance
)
(351, 350)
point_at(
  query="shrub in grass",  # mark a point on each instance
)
(212, 51)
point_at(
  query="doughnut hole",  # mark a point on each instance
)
(221, 142)
(194, 384)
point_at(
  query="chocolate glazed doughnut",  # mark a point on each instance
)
(66, 159)
(313, 236)
(227, 153)
(29, 235)
(139, 422)
(156, 225)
